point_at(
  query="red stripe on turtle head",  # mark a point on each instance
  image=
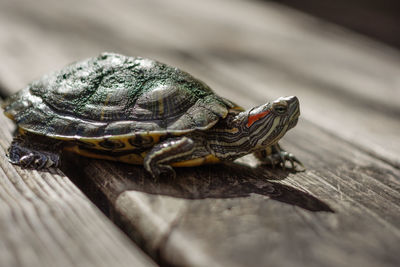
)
(253, 118)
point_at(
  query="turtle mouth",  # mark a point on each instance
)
(293, 123)
(295, 114)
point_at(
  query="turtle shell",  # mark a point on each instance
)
(115, 95)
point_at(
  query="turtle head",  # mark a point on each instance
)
(266, 124)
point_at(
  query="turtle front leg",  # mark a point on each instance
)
(172, 150)
(20, 154)
(275, 155)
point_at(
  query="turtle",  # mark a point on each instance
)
(141, 111)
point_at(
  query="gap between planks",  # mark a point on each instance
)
(47, 221)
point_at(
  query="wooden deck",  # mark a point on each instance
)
(344, 210)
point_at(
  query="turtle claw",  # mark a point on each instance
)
(24, 161)
(280, 157)
(169, 171)
(294, 160)
(166, 170)
(289, 157)
(28, 158)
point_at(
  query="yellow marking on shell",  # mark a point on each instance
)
(105, 104)
(21, 131)
(118, 138)
(237, 108)
(9, 115)
(124, 139)
(210, 159)
(138, 159)
(129, 158)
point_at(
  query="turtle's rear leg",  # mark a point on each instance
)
(28, 152)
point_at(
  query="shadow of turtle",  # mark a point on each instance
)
(229, 180)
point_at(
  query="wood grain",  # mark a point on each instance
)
(46, 221)
(343, 211)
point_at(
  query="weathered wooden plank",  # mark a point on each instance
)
(46, 221)
(227, 215)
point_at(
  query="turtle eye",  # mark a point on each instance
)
(280, 107)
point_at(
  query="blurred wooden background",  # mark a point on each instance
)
(378, 19)
(343, 211)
